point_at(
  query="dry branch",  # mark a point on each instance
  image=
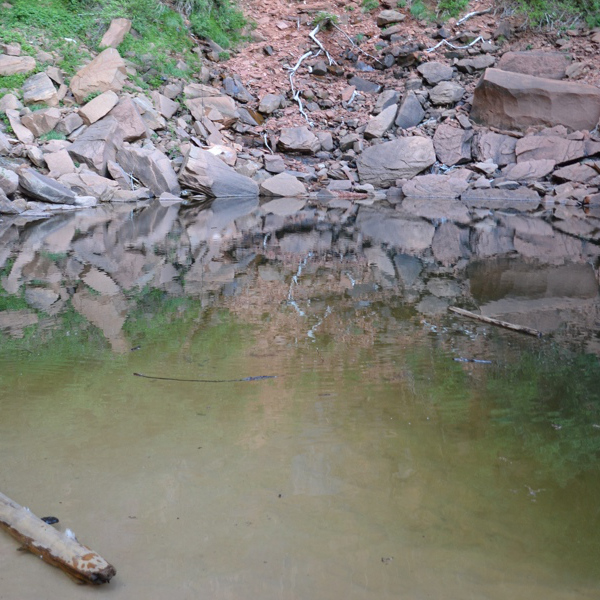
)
(59, 549)
(497, 322)
(475, 13)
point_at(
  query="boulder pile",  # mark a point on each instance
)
(463, 121)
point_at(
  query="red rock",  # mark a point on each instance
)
(516, 101)
(550, 65)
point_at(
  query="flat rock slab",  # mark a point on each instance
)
(364, 85)
(43, 188)
(299, 139)
(558, 149)
(516, 101)
(446, 92)
(16, 65)
(435, 72)
(403, 158)
(39, 89)
(529, 170)
(549, 65)
(522, 199)
(496, 147)
(116, 33)
(106, 72)
(435, 186)
(283, 185)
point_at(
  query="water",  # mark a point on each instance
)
(375, 465)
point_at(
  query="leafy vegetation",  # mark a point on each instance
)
(559, 13)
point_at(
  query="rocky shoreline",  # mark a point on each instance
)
(446, 131)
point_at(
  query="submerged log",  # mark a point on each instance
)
(497, 322)
(59, 549)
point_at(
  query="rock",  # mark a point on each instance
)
(7, 207)
(132, 125)
(36, 156)
(299, 139)
(446, 92)
(452, 145)
(378, 125)
(549, 65)
(558, 149)
(151, 118)
(387, 17)
(204, 173)
(283, 207)
(98, 144)
(116, 33)
(200, 90)
(385, 99)
(496, 147)
(364, 85)
(165, 106)
(99, 107)
(403, 158)
(579, 173)
(42, 121)
(59, 163)
(283, 185)
(10, 102)
(529, 170)
(233, 86)
(435, 72)
(106, 72)
(522, 199)
(23, 134)
(9, 181)
(43, 188)
(87, 184)
(516, 101)
(273, 163)
(16, 65)
(39, 89)
(223, 105)
(269, 103)
(477, 63)
(487, 167)
(326, 140)
(151, 167)
(69, 124)
(435, 186)
(410, 113)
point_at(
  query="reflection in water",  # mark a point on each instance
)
(373, 466)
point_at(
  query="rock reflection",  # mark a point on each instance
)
(512, 266)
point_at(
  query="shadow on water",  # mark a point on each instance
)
(381, 461)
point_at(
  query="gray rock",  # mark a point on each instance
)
(558, 149)
(452, 145)
(446, 92)
(299, 139)
(478, 63)
(9, 181)
(403, 158)
(496, 147)
(435, 72)
(549, 65)
(98, 144)
(387, 17)
(385, 99)
(283, 185)
(378, 125)
(410, 113)
(364, 85)
(435, 186)
(151, 167)
(69, 124)
(529, 170)
(274, 163)
(43, 188)
(7, 207)
(203, 172)
(579, 173)
(269, 103)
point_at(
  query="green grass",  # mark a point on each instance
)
(559, 14)
(162, 35)
(369, 5)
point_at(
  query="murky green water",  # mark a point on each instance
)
(375, 465)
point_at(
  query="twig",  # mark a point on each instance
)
(313, 36)
(447, 43)
(475, 13)
(295, 92)
(355, 45)
(497, 322)
(266, 140)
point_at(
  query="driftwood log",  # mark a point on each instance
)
(497, 322)
(59, 549)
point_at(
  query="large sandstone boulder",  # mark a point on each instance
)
(151, 167)
(98, 144)
(43, 188)
(549, 65)
(403, 158)
(16, 65)
(130, 121)
(515, 101)
(205, 173)
(106, 72)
